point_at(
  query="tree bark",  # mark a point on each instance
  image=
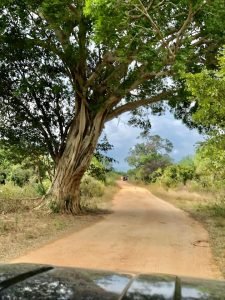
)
(81, 143)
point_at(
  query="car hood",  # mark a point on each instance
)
(30, 281)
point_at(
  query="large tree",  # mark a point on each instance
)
(69, 66)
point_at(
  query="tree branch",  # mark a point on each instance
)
(188, 20)
(40, 127)
(139, 79)
(133, 105)
(155, 27)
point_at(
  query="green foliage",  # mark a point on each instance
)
(20, 166)
(10, 191)
(209, 161)
(156, 175)
(187, 161)
(101, 164)
(177, 174)
(15, 199)
(149, 156)
(40, 189)
(114, 18)
(207, 90)
(111, 178)
(203, 172)
(90, 187)
(97, 170)
(20, 176)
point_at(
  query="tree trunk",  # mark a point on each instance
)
(81, 143)
(66, 192)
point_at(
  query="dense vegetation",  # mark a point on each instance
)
(28, 178)
(203, 171)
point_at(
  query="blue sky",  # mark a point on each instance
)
(123, 137)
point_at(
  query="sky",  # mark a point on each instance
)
(123, 137)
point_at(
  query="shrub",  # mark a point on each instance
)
(90, 187)
(111, 178)
(10, 191)
(40, 189)
(175, 174)
(156, 175)
(169, 176)
(20, 176)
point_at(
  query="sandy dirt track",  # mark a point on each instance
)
(144, 234)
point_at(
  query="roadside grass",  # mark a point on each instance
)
(207, 208)
(11, 191)
(23, 228)
(24, 231)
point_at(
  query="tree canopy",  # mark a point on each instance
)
(207, 90)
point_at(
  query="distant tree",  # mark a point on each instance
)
(150, 155)
(70, 66)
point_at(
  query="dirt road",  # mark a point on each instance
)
(143, 234)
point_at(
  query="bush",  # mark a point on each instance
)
(169, 176)
(10, 191)
(20, 176)
(90, 187)
(15, 199)
(40, 189)
(156, 175)
(175, 174)
(111, 178)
